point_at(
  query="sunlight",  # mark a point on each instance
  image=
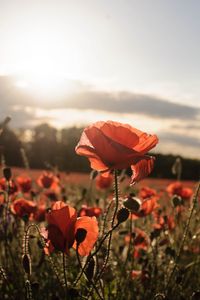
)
(41, 83)
(43, 61)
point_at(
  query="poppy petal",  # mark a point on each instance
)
(91, 226)
(56, 237)
(142, 168)
(123, 134)
(146, 143)
(61, 217)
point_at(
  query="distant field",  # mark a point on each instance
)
(84, 178)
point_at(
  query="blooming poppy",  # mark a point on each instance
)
(177, 188)
(25, 183)
(48, 180)
(146, 208)
(90, 211)
(104, 182)
(112, 145)
(22, 207)
(163, 222)
(63, 225)
(147, 192)
(140, 241)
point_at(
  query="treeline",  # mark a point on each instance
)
(48, 147)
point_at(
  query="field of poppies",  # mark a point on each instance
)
(101, 235)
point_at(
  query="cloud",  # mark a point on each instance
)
(84, 98)
(176, 125)
(180, 139)
(126, 102)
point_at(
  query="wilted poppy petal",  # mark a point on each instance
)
(142, 168)
(91, 226)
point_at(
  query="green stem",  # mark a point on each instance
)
(90, 281)
(109, 233)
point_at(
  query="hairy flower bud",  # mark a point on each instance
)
(122, 215)
(132, 203)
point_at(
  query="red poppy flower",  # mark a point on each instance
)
(48, 180)
(136, 274)
(104, 182)
(111, 145)
(25, 183)
(40, 212)
(12, 185)
(177, 188)
(146, 192)
(22, 207)
(63, 225)
(140, 241)
(90, 211)
(163, 222)
(146, 208)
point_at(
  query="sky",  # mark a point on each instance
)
(75, 62)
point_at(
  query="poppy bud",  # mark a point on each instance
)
(7, 173)
(177, 201)
(26, 262)
(122, 215)
(132, 203)
(80, 235)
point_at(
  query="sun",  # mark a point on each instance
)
(44, 62)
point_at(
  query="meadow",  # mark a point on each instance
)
(101, 235)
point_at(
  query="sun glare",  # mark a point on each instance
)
(42, 83)
(43, 62)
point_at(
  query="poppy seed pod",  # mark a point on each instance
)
(132, 203)
(122, 215)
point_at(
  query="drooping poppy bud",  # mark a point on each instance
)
(122, 215)
(132, 203)
(26, 262)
